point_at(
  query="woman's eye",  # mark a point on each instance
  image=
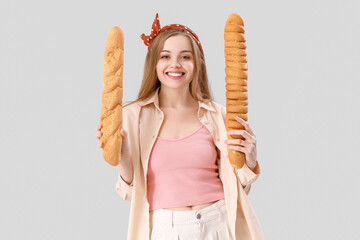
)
(165, 57)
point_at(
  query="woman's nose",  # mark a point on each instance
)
(176, 63)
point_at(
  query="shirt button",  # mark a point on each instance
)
(198, 216)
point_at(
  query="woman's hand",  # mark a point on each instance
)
(99, 135)
(125, 151)
(125, 166)
(247, 146)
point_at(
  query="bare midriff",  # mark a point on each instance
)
(194, 207)
(188, 208)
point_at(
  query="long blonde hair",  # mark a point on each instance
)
(199, 86)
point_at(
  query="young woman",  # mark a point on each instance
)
(174, 164)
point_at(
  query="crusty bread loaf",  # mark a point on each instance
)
(111, 111)
(236, 81)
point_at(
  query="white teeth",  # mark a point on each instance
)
(175, 74)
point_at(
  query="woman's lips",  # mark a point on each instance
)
(175, 75)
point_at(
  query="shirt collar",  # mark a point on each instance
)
(154, 98)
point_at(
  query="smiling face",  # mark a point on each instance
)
(175, 66)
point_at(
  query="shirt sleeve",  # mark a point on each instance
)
(246, 176)
(124, 189)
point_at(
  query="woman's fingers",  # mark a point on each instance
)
(99, 134)
(237, 142)
(123, 132)
(246, 125)
(248, 137)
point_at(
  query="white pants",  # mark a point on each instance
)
(208, 223)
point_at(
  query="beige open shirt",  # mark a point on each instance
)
(142, 120)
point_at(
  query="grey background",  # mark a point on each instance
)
(303, 106)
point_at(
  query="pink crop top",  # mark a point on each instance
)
(183, 172)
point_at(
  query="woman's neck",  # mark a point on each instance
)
(176, 98)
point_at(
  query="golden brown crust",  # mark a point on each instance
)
(234, 37)
(234, 18)
(236, 95)
(237, 102)
(235, 51)
(236, 58)
(240, 45)
(234, 28)
(238, 109)
(236, 72)
(111, 111)
(239, 85)
(241, 65)
(236, 81)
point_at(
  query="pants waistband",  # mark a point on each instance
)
(167, 216)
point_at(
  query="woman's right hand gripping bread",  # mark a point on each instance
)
(125, 165)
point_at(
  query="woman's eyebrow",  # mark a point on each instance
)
(180, 51)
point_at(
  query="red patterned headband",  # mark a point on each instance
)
(156, 30)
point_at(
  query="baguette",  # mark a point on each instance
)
(236, 81)
(111, 111)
